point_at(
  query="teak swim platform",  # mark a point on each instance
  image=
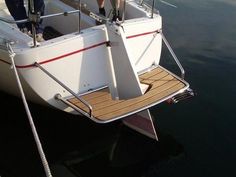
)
(162, 85)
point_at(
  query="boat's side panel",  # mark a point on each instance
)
(7, 79)
(144, 40)
(78, 61)
(10, 33)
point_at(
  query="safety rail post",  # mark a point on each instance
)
(124, 9)
(153, 6)
(79, 19)
(34, 18)
(65, 87)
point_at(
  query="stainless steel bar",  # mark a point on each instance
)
(153, 6)
(64, 86)
(124, 9)
(41, 17)
(79, 16)
(34, 35)
(59, 97)
(173, 55)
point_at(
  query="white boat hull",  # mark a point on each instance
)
(115, 66)
(78, 60)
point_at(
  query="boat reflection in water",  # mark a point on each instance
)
(73, 146)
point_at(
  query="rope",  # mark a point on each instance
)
(36, 137)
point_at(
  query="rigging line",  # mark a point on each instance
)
(33, 128)
(169, 4)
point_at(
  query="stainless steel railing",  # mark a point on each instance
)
(65, 87)
(152, 7)
(36, 18)
(173, 54)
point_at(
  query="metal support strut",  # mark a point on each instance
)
(64, 86)
(173, 55)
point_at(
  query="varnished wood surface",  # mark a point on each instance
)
(163, 84)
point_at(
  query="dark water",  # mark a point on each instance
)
(197, 136)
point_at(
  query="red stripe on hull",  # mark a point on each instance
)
(63, 56)
(78, 51)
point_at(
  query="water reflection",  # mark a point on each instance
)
(76, 146)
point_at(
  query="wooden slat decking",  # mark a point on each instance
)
(163, 84)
